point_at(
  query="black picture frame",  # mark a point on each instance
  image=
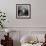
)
(23, 11)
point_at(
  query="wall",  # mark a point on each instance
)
(38, 13)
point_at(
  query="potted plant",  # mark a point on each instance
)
(2, 19)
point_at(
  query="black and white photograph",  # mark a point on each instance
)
(23, 11)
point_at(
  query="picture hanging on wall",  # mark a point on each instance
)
(23, 11)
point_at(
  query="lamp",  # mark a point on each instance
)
(7, 31)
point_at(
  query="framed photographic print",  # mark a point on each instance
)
(23, 11)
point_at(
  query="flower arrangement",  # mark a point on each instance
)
(2, 19)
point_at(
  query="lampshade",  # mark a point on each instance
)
(7, 30)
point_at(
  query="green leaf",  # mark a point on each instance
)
(1, 15)
(0, 12)
(4, 16)
(3, 19)
(4, 13)
(0, 21)
(2, 26)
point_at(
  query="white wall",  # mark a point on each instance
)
(38, 13)
(38, 16)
